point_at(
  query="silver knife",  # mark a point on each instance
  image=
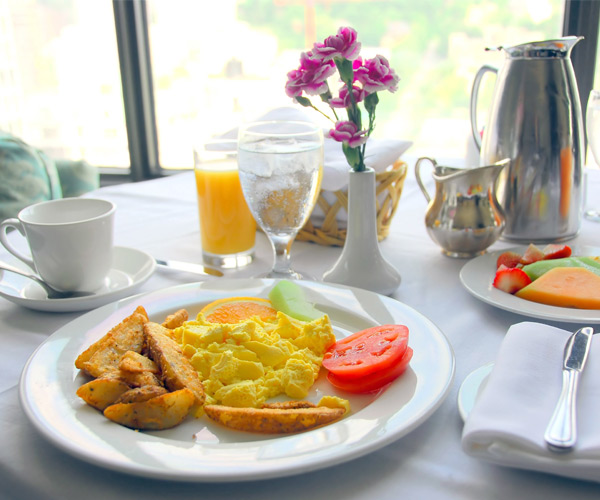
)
(561, 433)
(188, 267)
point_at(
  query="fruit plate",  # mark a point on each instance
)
(477, 276)
(201, 451)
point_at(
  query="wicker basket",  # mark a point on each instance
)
(389, 186)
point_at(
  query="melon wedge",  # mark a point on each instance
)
(535, 270)
(565, 287)
(288, 297)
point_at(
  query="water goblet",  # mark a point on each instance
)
(280, 165)
(592, 125)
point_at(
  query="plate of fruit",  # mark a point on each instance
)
(552, 282)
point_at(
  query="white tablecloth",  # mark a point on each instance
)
(160, 217)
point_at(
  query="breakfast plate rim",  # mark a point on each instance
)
(84, 433)
(477, 275)
(136, 265)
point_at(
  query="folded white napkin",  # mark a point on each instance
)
(513, 408)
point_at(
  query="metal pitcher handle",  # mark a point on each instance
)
(474, 95)
(418, 175)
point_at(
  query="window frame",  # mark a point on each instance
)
(581, 17)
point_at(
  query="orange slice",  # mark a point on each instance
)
(237, 309)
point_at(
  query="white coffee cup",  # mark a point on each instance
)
(71, 241)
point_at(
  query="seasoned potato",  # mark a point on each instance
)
(104, 341)
(161, 412)
(177, 371)
(287, 405)
(102, 392)
(141, 394)
(137, 379)
(104, 356)
(176, 319)
(136, 363)
(272, 420)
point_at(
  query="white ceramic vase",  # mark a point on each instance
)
(361, 263)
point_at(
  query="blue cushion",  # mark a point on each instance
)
(27, 176)
(77, 177)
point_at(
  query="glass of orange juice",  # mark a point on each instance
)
(227, 228)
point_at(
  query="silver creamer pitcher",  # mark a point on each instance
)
(463, 216)
(535, 121)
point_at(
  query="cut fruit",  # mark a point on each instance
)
(237, 309)
(532, 254)
(565, 287)
(289, 298)
(508, 259)
(537, 269)
(554, 251)
(510, 280)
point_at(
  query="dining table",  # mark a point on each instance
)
(160, 218)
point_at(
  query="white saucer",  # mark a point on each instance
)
(470, 388)
(131, 268)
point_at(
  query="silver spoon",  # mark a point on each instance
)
(51, 292)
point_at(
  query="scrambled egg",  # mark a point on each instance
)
(247, 363)
(335, 402)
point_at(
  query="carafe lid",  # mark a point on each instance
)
(558, 48)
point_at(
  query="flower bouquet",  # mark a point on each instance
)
(360, 81)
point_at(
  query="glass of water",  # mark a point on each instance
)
(280, 165)
(592, 125)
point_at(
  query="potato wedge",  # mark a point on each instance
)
(176, 319)
(102, 392)
(177, 371)
(134, 362)
(126, 336)
(141, 394)
(137, 379)
(161, 412)
(104, 341)
(272, 420)
(287, 405)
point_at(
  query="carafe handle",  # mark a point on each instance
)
(418, 175)
(474, 95)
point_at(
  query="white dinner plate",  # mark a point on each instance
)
(470, 389)
(477, 276)
(199, 450)
(131, 268)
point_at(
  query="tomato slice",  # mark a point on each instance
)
(367, 351)
(375, 380)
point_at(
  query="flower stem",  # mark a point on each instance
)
(324, 114)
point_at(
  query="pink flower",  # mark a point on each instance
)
(348, 132)
(310, 77)
(342, 45)
(343, 101)
(375, 75)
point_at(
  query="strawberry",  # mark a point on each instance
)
(532, 254)
(508, 259)
(554, 251)
(511, 279)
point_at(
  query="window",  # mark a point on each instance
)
(212, 71)
(133, 85)
(60, 86)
